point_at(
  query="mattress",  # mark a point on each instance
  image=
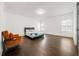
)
(34, 34)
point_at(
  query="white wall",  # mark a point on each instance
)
(2, 22)
(75, 24)
(52, 25)
(16, 23)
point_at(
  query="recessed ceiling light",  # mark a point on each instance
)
(40, 11)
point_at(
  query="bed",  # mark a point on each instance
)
(30, 32)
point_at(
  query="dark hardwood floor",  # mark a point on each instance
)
(50, 45)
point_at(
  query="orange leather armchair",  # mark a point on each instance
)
(10, 40)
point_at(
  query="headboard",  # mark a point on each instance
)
(28, 28)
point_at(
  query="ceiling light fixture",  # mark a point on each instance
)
(40, 11)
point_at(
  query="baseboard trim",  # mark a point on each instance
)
(61, 36)
(58, 35)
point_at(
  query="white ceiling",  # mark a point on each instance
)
(28, 8)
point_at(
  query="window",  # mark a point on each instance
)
(66, 25)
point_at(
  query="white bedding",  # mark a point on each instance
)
(34, 34)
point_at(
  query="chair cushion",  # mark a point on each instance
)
(10, 36)
(12, 43)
